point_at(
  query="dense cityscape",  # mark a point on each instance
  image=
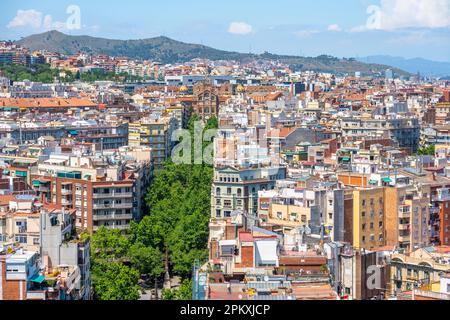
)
(128, 179)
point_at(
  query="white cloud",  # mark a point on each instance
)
(400, 14)
(305, 33)
(334, 28)
(241, 28)
(26, 18)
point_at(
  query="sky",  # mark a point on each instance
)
(344, 28)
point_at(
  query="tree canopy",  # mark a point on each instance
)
(115, 281)
(427, 151)
(171, 237)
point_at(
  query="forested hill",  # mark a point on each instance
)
(167, 51)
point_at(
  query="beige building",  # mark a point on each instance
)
(419, 268)
(407, 216)
(368, 218)
(19, 223)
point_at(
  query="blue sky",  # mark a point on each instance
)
(350, 28)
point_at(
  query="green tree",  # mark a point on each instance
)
(184, 292)
(427, 151)
(179, 202)
(115, 281)
(109, 245)
(146, 260)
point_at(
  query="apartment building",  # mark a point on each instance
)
(60, 246)
(354, 274)
(406, 131)
(18, 270)
(419, 268)
(236, 188)
(292, 207)
(155, 134)
(407, 213)
(19, 222)
(368, 218)
(104, 191)
(441, 206)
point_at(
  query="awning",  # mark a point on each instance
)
(373, 182)
(21, 174)
(37, 278)
(36, 183)
(73, 132)
(387, 180)
(345, 159)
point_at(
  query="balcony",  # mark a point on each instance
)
(102, 206)
(128, 205)
(121, 227)
(112, 217)
(66, 202)
(66, 192)
(21, 230)
(404, 212)
(404, 227)
(123, 205)
(404, 238)
(112, 195)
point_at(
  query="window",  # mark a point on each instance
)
(21, 239)
(280, 215)
(364, 203)
(218, 214)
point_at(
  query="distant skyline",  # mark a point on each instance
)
(348, 28)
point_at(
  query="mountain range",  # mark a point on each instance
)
(168, 51)
(416, 65)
